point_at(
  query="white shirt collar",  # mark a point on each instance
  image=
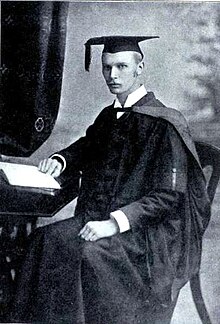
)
(132, 98)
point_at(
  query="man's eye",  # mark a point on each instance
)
(106, 67)
(122, 66)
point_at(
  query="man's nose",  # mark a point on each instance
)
(114, 72)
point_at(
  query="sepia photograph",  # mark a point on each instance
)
(110, 162)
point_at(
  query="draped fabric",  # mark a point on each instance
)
(32, 55)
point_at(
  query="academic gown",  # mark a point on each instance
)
(147, 167)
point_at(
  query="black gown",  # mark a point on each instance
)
(141, 165)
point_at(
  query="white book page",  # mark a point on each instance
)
(28, 176)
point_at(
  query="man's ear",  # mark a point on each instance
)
(140, 67)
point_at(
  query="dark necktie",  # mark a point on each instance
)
(129, 109)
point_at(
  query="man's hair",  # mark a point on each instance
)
(138, 57)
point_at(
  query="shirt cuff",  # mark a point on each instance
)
(121, 220)
(60, 157)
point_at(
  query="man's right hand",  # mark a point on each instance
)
(50, 166)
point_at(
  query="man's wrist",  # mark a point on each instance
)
(60, 159)
(113, 225)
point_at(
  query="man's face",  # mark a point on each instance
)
(120, 71)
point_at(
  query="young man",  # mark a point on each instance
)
(142, 208)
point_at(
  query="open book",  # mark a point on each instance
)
(27, 176)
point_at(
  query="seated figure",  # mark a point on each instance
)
(135, 238)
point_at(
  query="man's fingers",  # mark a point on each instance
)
(56, 172)
(84, 231)
(42, 165)
(87, 227)
(89, 236)
(94, 238)
(95, 230)
(87, 233)
(50, 166)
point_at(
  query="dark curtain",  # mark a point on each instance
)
(32, 54)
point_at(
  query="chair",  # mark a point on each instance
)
(209, 155)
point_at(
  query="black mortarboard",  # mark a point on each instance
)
(114, 44)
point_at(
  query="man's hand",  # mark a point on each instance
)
(96, 230)
(50, 166)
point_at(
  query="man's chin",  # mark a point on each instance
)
(114, 90)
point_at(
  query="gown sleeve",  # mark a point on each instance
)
(169, 183)
(78, 153)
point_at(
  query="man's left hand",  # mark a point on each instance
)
(96, 230)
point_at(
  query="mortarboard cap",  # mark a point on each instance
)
(114, 44)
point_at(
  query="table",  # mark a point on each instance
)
(19, 209)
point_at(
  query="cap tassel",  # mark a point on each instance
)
(87, 57)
